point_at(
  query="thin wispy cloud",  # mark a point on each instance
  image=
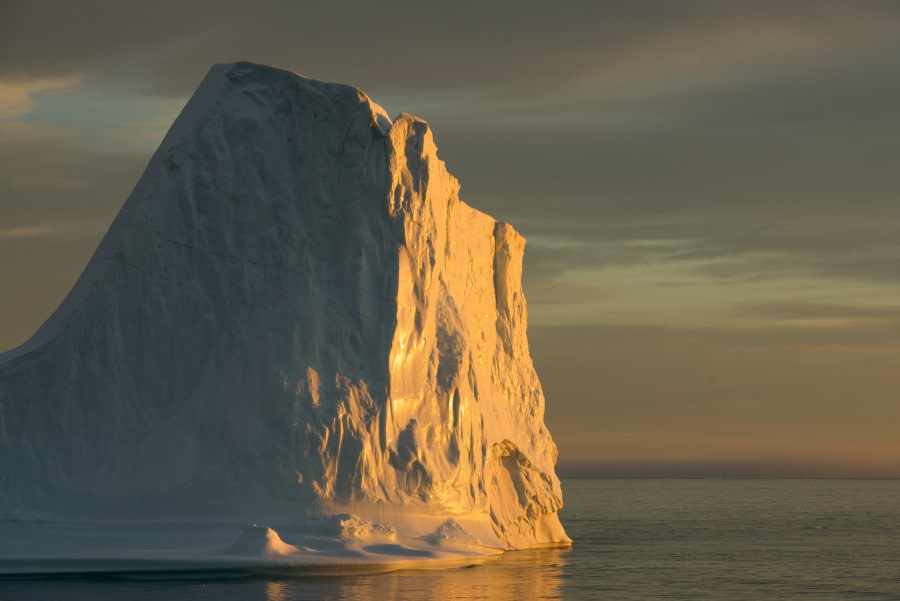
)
(42, 230)
(51, 230)
(18, 98)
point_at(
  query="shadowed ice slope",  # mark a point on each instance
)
(292, 314)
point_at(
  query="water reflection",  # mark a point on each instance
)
(513, 576)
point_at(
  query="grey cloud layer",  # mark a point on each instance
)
(725, 141)
(407, 44)
(731, 127)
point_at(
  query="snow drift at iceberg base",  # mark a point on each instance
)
(294, 322)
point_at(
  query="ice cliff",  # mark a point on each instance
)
(293, 314)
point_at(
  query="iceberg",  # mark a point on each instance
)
(295, 346)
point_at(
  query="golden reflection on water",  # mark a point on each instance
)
(513, 576)
(277, 591)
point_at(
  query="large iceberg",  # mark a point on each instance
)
(293, 320)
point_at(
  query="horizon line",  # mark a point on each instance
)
(733, 469)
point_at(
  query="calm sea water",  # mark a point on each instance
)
(634, 539)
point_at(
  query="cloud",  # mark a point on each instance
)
(818, 314)
(412, 46)
(31, 231)
(76, 229)
(17, 98)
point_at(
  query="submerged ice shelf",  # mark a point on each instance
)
(335, 544)
(293, 317)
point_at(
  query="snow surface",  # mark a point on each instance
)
(293, 318)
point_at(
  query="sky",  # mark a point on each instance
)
(708, 190)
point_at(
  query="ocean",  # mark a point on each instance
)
(717, 539)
